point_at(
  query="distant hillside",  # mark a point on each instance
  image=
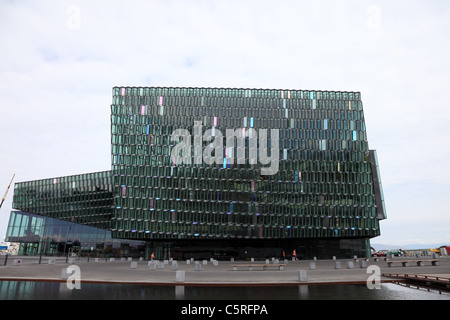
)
(379, 246)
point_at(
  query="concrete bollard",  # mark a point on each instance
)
(267, 261)
(174, 265)
(188, 261)
(350, 265)
(112, 259)
(302, 276)
(152, 265)
(161, 265)
(180, 276)
(130, 259)
(315, 258)
(166, 261)
(197, 267)
(337, 264)
(252, 260)
(122, 259)
(312, 265)
(16, 262)
(205, 262)
(363, 264)
(133, 264)
(334, 257)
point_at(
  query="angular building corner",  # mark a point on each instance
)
(378, 188)
(216, 172)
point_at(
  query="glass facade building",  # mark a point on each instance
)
(41, 234)
(85, 198)
(223, 172)
(67, 215)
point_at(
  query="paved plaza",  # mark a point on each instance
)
(340, 271)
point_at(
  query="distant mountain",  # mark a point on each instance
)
(425, 246)
(378, 246)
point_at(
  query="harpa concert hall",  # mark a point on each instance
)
(215, 173)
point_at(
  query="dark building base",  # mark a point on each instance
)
(57, 237)
(244, 249)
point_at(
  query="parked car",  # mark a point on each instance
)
(447, 249)
(379, 253)
(439, 250)
(396, 252)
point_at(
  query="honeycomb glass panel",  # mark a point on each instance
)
(317, 149)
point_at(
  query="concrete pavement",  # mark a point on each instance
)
(219, 274)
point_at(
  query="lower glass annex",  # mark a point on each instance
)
(54, 237)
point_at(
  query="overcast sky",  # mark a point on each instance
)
(60, 59)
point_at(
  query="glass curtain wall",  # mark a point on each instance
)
(83, 199)
(53, 237)
(323, 187)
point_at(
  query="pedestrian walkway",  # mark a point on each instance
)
(218, 273)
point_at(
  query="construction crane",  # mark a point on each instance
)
(7, 189)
